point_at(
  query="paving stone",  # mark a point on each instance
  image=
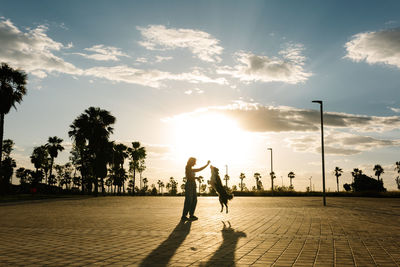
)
(146, 231)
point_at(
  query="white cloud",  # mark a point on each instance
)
(338, 143)
(103, 53)
(161, 59)
(397, 110)
(254, 117)
(202, 44)
(375, 47)
(32, 50)
(287, 68)
(141, 60)
(152, 78)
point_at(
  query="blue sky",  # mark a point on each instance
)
(246, 69)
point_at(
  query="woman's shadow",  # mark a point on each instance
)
(225, 255)
(166, 250)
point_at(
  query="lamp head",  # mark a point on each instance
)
(317, 101)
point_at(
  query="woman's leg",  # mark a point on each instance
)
(194, 199)
(188, 201)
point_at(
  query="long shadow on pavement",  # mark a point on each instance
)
(225, 255)
(166, 250)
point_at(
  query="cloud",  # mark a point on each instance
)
(103, 53)
(32, 50)
(375, 47)
(254, 117)
(152, 78)
(287, 68)
(338, 143)
(161, 59)
(141, 60)
(201, 44)
(397, 110)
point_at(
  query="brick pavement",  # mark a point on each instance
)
(145, 231)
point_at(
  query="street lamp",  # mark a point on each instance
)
(322, 149)
(272, 179)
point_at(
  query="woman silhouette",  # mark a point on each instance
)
(190, 189)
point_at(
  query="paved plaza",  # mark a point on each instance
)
(146, 231)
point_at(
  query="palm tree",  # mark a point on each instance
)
(159, 182)
(137, 153)
(257, 176)
(397, 168)
(39, 157)
(8, 164)
(141, 168)
(145, 181)
(53, 147)
(12, 89)
(356, 172)
(92, 129)
(241, 177)
(337, 172)
(173, 185)
(291, 175)
(226, 178)
(120, 153)
(378, 170)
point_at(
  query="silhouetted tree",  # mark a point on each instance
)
(137, 153)
(337, 172)
(160, 186)
(8, 164)
(40, 159)
(172, 186)
(363, 182)
(356, 172)
(53, 147)
(12, 89)
(24, 175)
(241, 177)
(145, 187)
(80, 158)
(291, 176)
(257, 177)
(347, 187)
(118, 173)
(378, 170)
(92, 129)
(226, 178)
(397, 168)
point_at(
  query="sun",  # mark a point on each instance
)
(212, 137)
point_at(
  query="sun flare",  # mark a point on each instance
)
(210, 137)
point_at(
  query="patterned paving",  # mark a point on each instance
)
(145, 231)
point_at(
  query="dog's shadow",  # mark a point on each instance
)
(225, 254)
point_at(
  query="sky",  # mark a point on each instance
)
(216, 80)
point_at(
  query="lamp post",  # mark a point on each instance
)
(322, 149)
(272, 179)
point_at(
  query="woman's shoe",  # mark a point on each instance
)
(193, 218)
